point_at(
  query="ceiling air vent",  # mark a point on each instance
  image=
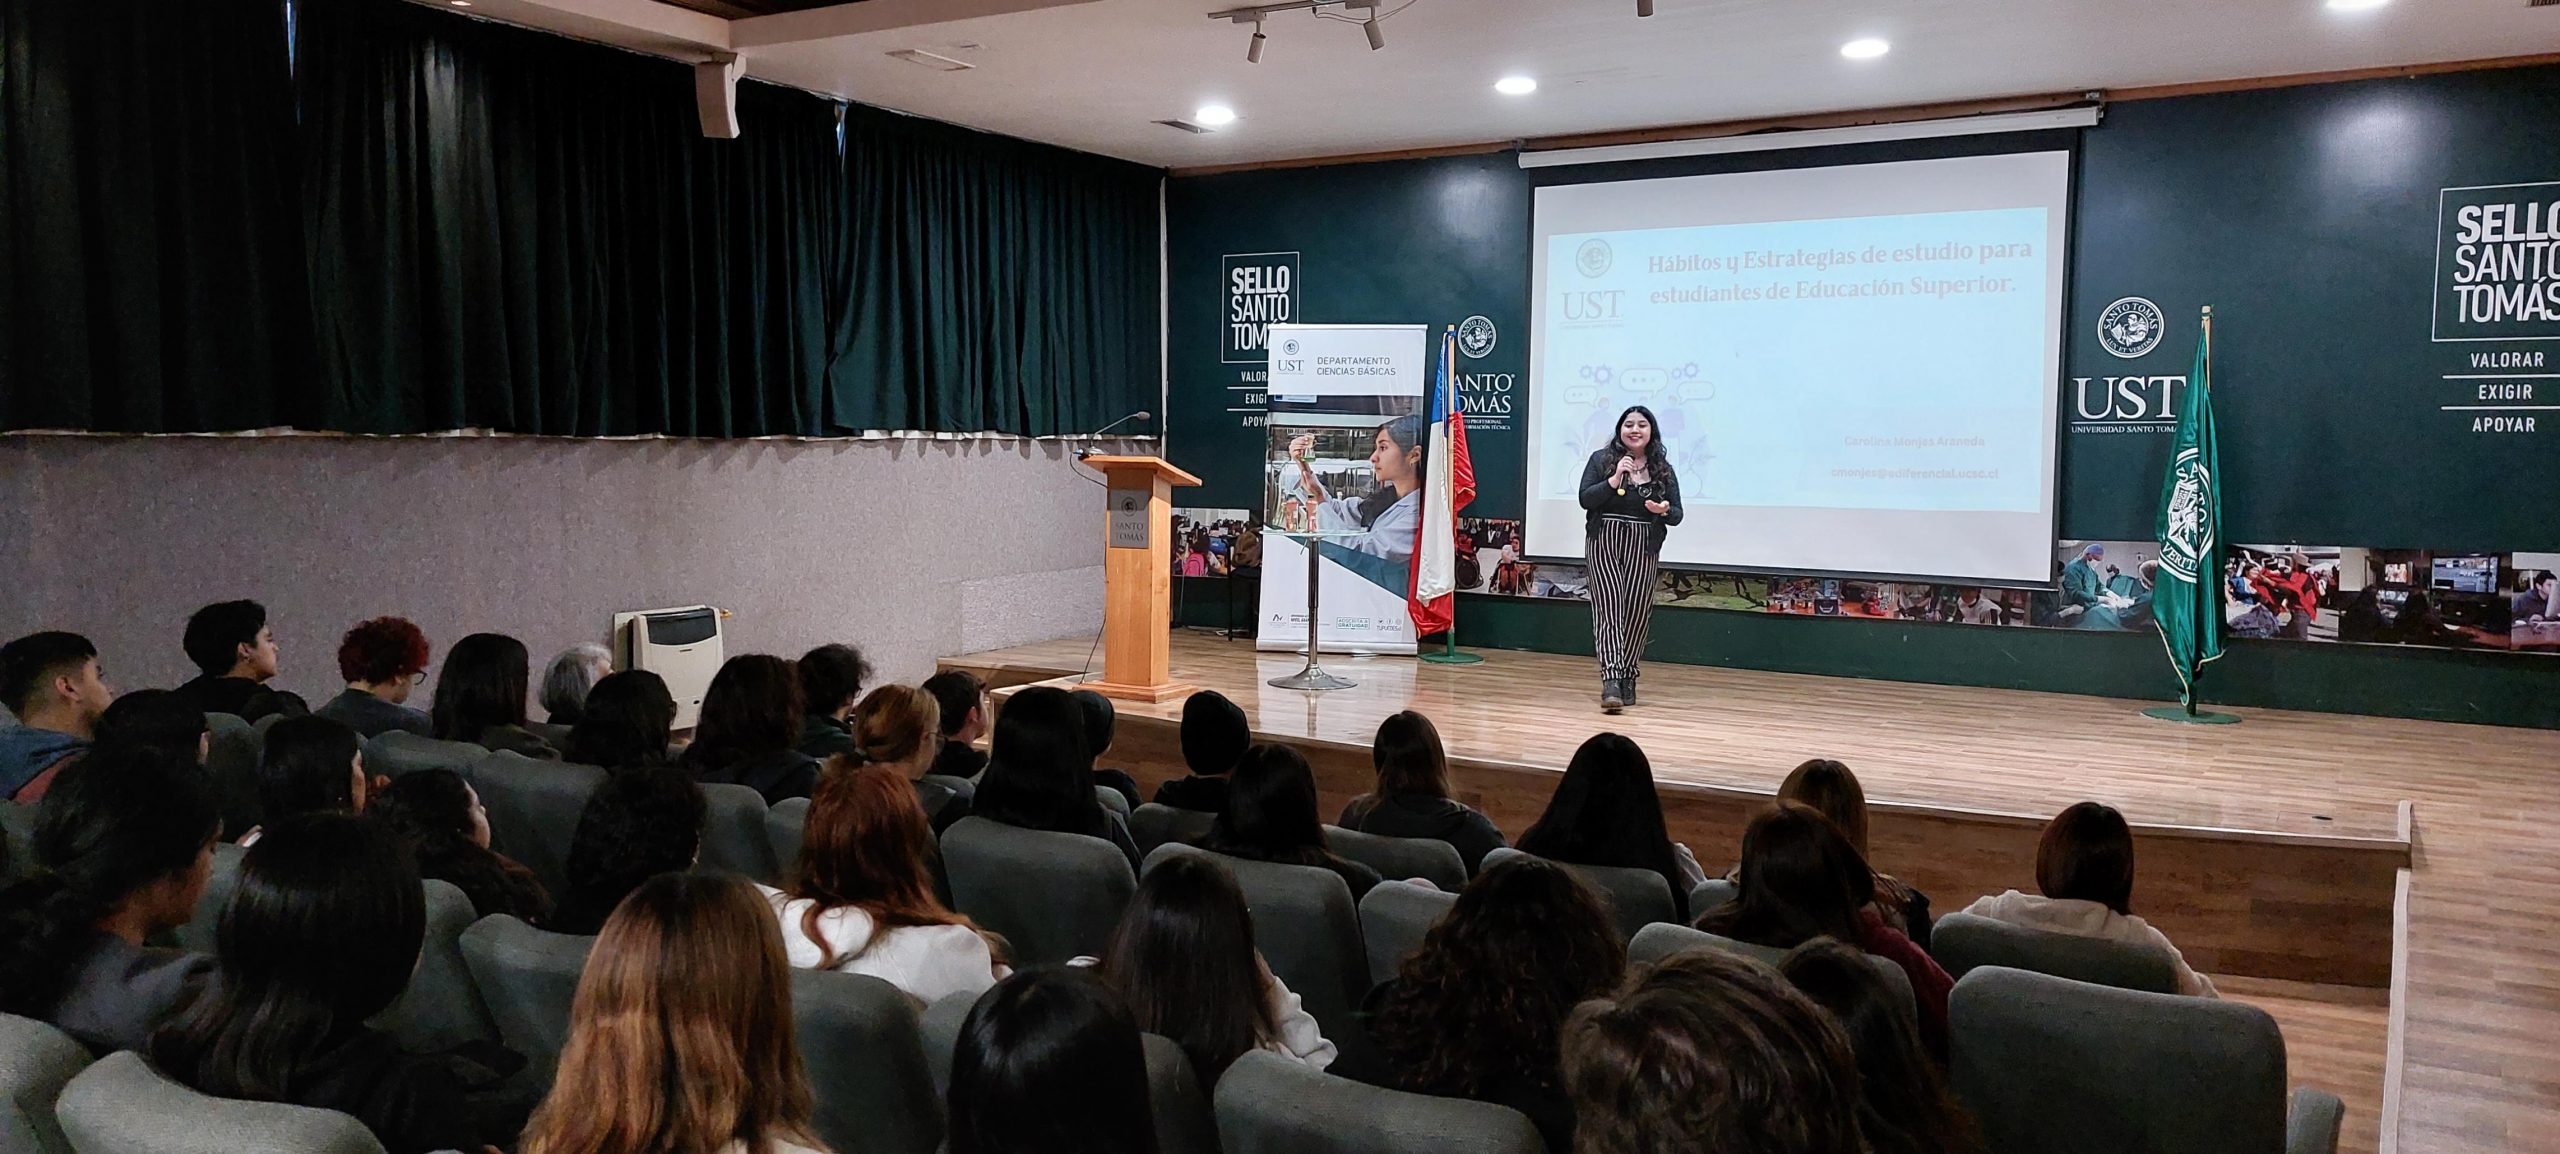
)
(932, 61)
(1187, 126)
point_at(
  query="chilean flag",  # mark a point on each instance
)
(1447, 486)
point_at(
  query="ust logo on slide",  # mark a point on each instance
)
(1476, 336)
(1593, 257)
(2131, 327)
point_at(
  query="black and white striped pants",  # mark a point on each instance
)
(1623, 562)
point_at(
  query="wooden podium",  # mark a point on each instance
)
(1137, 567)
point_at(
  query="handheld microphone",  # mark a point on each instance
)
(1140, 415)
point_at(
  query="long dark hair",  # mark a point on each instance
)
(1183, 957)
(753, 709)
(307, 766)
(1050, 1060)
(1271, 811)
(640, 823)
(1908, 1109)
(482, 684)
(1039, 774)
(627, 721)
(1406, 433)
(1801, 879)
(1606, 813)
(114, 823)
(2086, 853)
(1409, 758)
(1657, 462)
(1832, 791)
(321, 934)
(160, 719)
(1485, 998)
(431, 808)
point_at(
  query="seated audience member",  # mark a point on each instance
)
(1037, 776)
(383, 661)
(831, 678)
(1606, 813)
(861, 899)
(161, 719)
(121, 851)
(572, 674)
(899, 727)
(230, 642)
(1708, 1052)
(1904, 1104)
(447, 829)
(1183, 959)
(1476, 1013)
(1049, 1061)
(640, 823)
(963, 699)
(1833, 792)
(321, 935)
(480, 696)
(628, 721)
(680, 1038)
(309, 765)
(1271, 816)
(51, 686)
(1802, 880)
(1412, 798)
(2084, 865)
(1214, 737)
(1100, 719)
(749, 733)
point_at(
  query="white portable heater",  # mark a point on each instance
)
(681, 646)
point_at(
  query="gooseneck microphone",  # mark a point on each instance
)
(1140, 415)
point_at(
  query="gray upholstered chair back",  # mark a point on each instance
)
(1268, 1104)
(936, 790)
(198, 933)
(860, 1040)
(1184, 1122)
(785, 825)
(1394, 918)
(1152, 825)
(1636, 897)
(733, 836)
(1112, 800)
(394, 752)
(1963, 943)
(1308, 930)
(1711, 893)
(2047, 1063)
(231, 757)
(441, 1009)
(1662, 939)
(123, 1106)
(533, 810)
(940, 1025)
(1052, 895)
(1398, 858)
(527, 978)
(18, 825)
(36, 1062)
(556, 736)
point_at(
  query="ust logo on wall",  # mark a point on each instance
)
(2131, 327)
(1593, 257)
(1257, 290)
(1476, 336)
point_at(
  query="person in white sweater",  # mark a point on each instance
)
(1183, 958)
(2084, 865)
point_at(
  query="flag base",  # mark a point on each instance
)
(2179, 714)
(1454, 657)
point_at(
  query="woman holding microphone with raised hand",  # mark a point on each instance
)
(1630, 500)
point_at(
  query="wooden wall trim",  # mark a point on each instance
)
(2337, 76)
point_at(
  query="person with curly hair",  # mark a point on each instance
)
(1905, 1107)
(383, 661)
(1478, 1011)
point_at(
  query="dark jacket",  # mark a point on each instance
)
(118, 993)
(1602, 499)
(778, 776)
(372, 717)
(240, 697)
(1201, 794)
(823, 737)
(1472, 834)
(516, 739)
(958, 760)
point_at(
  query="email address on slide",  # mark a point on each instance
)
(1918, 474)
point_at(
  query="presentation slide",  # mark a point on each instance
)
(1855, 368)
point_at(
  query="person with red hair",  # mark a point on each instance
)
(383, 660)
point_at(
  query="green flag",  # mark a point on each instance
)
(2186, 596)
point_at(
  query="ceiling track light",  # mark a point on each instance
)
(1377, 36)
(1644, 8)
(1253, 47)
(1342, 10)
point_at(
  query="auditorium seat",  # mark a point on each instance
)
(198, 933)
(862, 1044)
(733, 836)
(1636, 897)
(18, 825)
(533, 810)
(1152, 825)
(1268, 1104)
(1052, 895)
(1398, 858)
(940, 1025)
(123, 1106)
(527, 978)
(1394, 918)
(556, 736)
(1662, 939)
(936, 790)
(395, 752)
(2047, 1063)
(36, 1061)
(1112, 800)
(1308, 930)
(1963, 943)
(784, 827)
(1711, 893)
(441, 1008)
(232, 749)
(1184, 1123)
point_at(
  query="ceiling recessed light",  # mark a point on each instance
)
(461, 3)
(1515, 85)
(2356, 5)
(1867, 48)
(1214, 115)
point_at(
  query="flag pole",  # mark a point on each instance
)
(2186, 711)
(1449, 652)
(2198, 675)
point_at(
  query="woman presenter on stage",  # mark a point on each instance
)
(1630, 499)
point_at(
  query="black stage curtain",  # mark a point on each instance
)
(151, 272)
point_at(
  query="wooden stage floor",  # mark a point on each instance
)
(1959, 775)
